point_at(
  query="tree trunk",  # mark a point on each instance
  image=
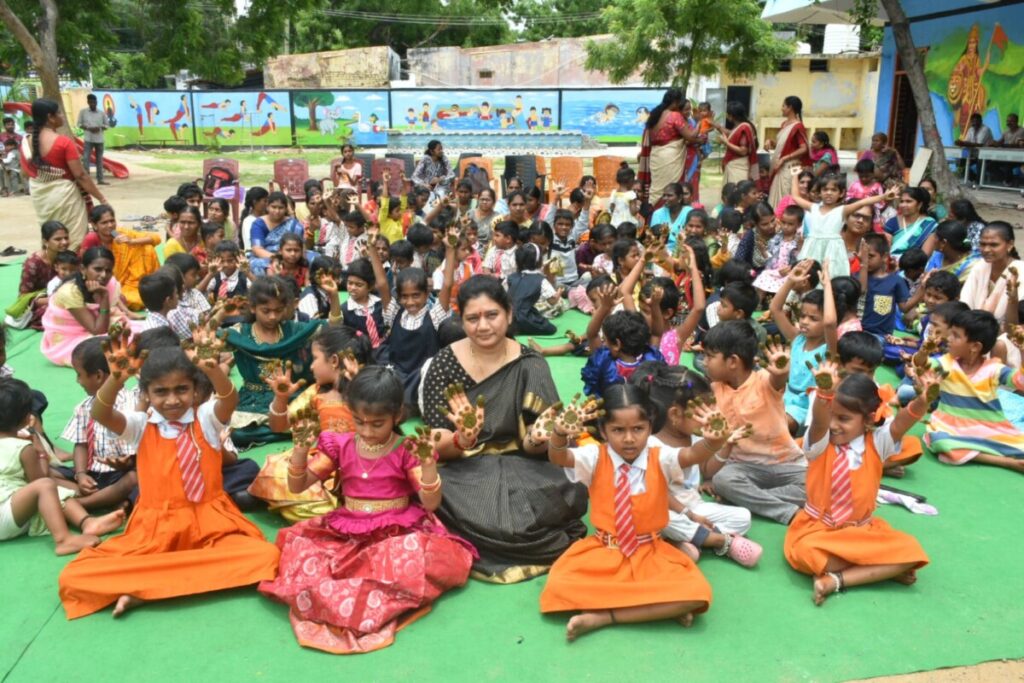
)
(43, 52)
(948, 184)
(312, 114)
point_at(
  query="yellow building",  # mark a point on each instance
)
(839, 93)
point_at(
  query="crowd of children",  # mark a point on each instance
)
(730, 356)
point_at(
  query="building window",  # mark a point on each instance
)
(819, 66)
(485, 73)
(785, 65)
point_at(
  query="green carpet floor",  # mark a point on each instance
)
(761, 626)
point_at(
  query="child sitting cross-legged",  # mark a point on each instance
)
(764, 472)
(104, 466)
(625, 573)
(353, 577)
(185, 535)
(835, 538)
(31, 502)
(692, 522)
(969, 424)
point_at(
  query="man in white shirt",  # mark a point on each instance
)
(93, 122)
(976, 135)
(1013, 136)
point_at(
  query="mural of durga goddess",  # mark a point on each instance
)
(965, 93)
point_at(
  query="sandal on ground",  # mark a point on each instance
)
(12, 251)
(742, 550)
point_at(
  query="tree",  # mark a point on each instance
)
(311, 100)
(670, 41)
(864, 13)
(542, 19)
(58, 41)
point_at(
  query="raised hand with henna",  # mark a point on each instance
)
(424, 444)
(123, 356)
(305, 426)
(280, 380)
(574, 416)
(544, 425)
(777, 353)
(826, 374)
(467, 417)
(206, 345)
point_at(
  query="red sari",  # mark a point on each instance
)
(666, 157)
(790, 138)
(736, 167)
(36, 273)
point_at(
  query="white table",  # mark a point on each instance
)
(960, 153)
(1004, 154)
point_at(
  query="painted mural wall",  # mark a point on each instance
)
(609, 115)
(242, 117)
(468, 110)
(974, 64)
(329, 117)
(147, 117)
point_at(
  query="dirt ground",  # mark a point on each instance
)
(1003, 671)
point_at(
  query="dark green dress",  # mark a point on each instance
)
(254, 359)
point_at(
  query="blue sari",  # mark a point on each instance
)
(910, 237)
(264, 237)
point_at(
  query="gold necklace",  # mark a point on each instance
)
(280, 335)
(376, 449)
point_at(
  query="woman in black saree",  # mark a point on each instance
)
(501, 493)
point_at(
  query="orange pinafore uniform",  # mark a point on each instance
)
(592, 575)
(863, 540)
(171, 546)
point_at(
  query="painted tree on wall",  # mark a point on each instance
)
(311, 100)
(671, 41)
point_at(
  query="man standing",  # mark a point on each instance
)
(92, 121)
(9, 132)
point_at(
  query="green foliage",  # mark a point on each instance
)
(670, 41)
(543, 19)
(83, 31)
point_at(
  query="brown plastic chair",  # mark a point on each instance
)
(605, 168)
(480, 162)
(236, 201)
(396, 167)
(565, 170)
(289, 177)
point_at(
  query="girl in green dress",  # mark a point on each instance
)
(272, 339)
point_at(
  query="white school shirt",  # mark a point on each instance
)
(412, 322)
(884, 444)
(136, 421)
(105, 443)
(547, 290)
(232, 281)
(53, 285)
(585, 461)
(685, 488)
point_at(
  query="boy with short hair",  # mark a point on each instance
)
(886, 292)
(159, 293)
(766, 471)
(738, 301)
(104, 465)
(66, 264)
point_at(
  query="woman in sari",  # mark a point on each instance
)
(789, 148)
(824, 157)
(913, 227)
(268, 230)
(670, 149)
(59, 184)
(36, 273)
(134, 252)
(740, 145)
(888, 162)
(953, 252)
(501, 493)
(81, 307)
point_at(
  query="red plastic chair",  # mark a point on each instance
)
(289, 177)
(236, 201)
(396, 167)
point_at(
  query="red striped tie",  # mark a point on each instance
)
(371, 328)
(625, 531)
(842, 487)
(222, 290)
(498, 254)
(350, 248)
(188, 463)
(90, 443)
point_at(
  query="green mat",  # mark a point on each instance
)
(761, 626)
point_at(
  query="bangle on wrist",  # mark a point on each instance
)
(101, 401)
(461, 446)
(717, 456)
(910, 411)
(432, 486)
(231, 391)
(270, 408)
(826, 396)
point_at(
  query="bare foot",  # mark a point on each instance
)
(824, 586)
(686, 621)
(99, 526)
(125, 603)
(74, 544)
(534, 345)
(895, 472)
(688, 549)
(907, 578)
(585, 623)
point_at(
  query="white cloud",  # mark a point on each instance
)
(374, 98)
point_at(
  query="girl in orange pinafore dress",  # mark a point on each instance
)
(624, 572)
(185, 536)
(835, 538)
(338, 352)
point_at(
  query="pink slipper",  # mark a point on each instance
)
(744, 551)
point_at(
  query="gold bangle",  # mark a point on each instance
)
(297, 471)
(101, 401)
(224, 396)
(334, 318)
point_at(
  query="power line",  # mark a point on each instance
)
(453, 20)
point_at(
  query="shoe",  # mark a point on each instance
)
(12, 251)
(246, 502)
(744, 551)
(102, 182)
